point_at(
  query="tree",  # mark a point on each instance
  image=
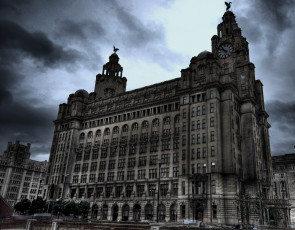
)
(82, 209)
(69, 208)
(38, 205)
(245, 205)
(23, 206)
(58, 207)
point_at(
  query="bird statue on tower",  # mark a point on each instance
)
(228, 5)
(115, 49)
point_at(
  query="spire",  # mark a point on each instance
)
(113, 68)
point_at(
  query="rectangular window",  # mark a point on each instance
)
(85, 167)
(203, 123)
(204, 152)
(153, 173)
(142, 161)
(175, 171)
(184, 113)
(211, 108)
(211, 94)
(184, 100)
(141, 174)
(198, 124)
(92, 178)
(183, 126)
(121, 163)
(176, 144)
(198, 111)
(175, 157)
(183, 169)
(175, 189)
(83, 178)
(183, 140)
(95, 155)
(193, 125)
(131, 162)
(193, 139)
(183, 187)
(214, 210)
(165, 158)
(193, 111)
(203, 109)
(204, 168)
(211, 121)
(183, 154)
(193, 168)
(198, 153)
(213, 186)
(101, 177)
(120, 175)
(164, 189)
(111, 176)
(212, 166)
(140, 190)
(212, 151)
(193, 155)
(198, 138)
(204, 138)
(102, 165)
(130, 175)
(198, 168)
(112, 164)
(212, 135)
(164, 172)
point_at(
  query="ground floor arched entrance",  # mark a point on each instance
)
(199, 212)
(149, 212)
(115, 211)
(136, 212)
(104, 212)
(125, 212)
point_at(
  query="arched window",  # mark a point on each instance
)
(134, 126)
(136, 212)
(125, 212)
(145, 124)
(125, 128)
(82, 136)
(167, 120)
(176, 119)
(116, 129)
(156, 122)
(107, 131)
(90, 134)
(98, 133)
(104, 212)
(162, 212)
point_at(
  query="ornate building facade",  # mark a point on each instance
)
(284, 186)
(179, 149)
(20, 177)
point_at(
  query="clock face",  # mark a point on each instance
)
(225, 50)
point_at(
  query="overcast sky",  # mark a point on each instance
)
(49, 49)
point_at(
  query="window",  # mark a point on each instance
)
(203, 109)
(145, 124)
(118, 190)
(175, 157)
(165, 158)
(165, 144)
(183, 211)
(198, 111)
(184, 100)
(83, 178)
(141, 174)
(175, 189)
(101, 177)
(75, 179)
(204, 138)
(183, 154)
(152, 189)
(130, 175)
(116, 130)
(226, 67)
(183, 187)
(112, 164)
(198, 168)
(183, 126)
(77, 168)
(167, 121)
(212, 135)
(102, 165)
(129, 190)
(183, 169)
(176, 143)
(95, 155)
(175, 171)
(193, 111)
(152, 173)
(131, 162)
(132, 149)
(184, 113)
(107, 131)
(109, 191)
(98, 133)
(193, 168)
(164, 172)
(193, 125)
(193, 139)
(203, 123)
(164, 189)
(214, 210)
(204, 152)
(183, 140)
(125, 128)
(193, 155)
(212, 151)
(121, 163)
(134, 126)
(198, 153)
(85, 167)
(140, 190)
(204, 168)
(198, 138)
(166, 132)
(213, 186)
(212, 166)
(176, 119)
(156, 122)
(93, 166)
(211, 94)
(211, 121)
(82, 136)
(110, 176)
(143, 148)
(153, 160)
(142, 161)
(211, 108)
(120, 175)
(92, 178)
(90, 134)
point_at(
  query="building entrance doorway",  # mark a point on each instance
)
(199, 212)
(115, 212)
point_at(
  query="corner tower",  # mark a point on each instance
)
(110, 82)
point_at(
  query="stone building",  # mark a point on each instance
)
(179, 149)
(20, 177)
(284, 183)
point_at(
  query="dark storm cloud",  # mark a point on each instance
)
(282, 131)
(269, 26)
(35, 44)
